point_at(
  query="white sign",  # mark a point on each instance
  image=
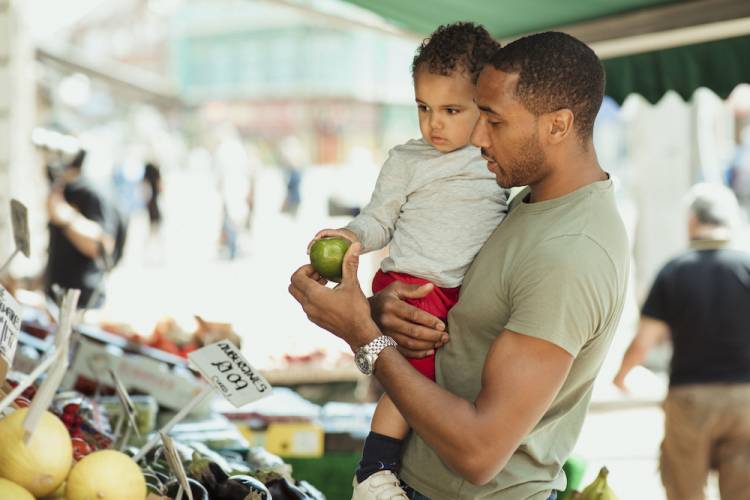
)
(230, 373)
(10, 325)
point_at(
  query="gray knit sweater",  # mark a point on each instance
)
(436, 210)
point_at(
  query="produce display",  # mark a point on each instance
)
(40, 465)
(78, 452)
(227, 476)
(105, 474)
(9, 489)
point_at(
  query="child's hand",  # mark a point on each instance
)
(341, 233)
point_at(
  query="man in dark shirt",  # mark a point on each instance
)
(701, 299)
(82, 228)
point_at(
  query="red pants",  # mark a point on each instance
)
(437, 303)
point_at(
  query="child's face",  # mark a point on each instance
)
(447, 111)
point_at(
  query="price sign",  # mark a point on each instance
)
(10, 325)
(230, 373)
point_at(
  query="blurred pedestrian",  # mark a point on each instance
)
(85, 237)
(293, 159)
(153, 188)
(701, 301)
(232, 171)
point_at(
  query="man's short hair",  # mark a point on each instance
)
(556, 71)
(713, 204)
(463, 47)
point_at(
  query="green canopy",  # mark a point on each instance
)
(719, 65)
(503, 19)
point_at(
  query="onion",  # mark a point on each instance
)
(9, 489)
(106, 475)
(41, 466)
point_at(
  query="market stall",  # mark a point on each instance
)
(86, 413)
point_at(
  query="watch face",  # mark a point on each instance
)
(362, 360)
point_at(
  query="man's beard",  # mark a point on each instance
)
(528, 168)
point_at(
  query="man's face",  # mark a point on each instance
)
(447, 111)
(507, 132)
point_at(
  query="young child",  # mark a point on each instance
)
(436, 203)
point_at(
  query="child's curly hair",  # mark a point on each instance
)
(453, 47)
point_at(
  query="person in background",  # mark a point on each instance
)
(293, 158)
(701, 301)
(83, 234)
(152, 190)
(152, 183)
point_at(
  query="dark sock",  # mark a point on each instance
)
(380, 453)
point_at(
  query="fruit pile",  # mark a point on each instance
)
(84, 435)
(45, 464)
(213, 476)
(70, 457)
(24, 400)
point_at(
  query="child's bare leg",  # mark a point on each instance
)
(382, 450)
(388, 421)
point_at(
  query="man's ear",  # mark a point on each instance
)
(559, 125)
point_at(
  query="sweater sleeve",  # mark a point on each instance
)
(374, 226)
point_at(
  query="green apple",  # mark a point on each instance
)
(327, 255)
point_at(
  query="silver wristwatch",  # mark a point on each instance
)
(368, 353)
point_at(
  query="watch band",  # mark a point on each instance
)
(367, 355)
(379, 344)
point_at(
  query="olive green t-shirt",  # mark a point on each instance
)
(554, 270)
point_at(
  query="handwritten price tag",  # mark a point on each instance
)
(230, 373)
(10, 325)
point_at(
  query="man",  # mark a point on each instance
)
(538, 307)
(82, 231)
(700, 299)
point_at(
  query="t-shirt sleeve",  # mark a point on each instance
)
(656, 305)
(564, 292)
(374, 226)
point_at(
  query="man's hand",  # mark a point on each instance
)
(417, 332)
(326, 233)
(344, 310)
